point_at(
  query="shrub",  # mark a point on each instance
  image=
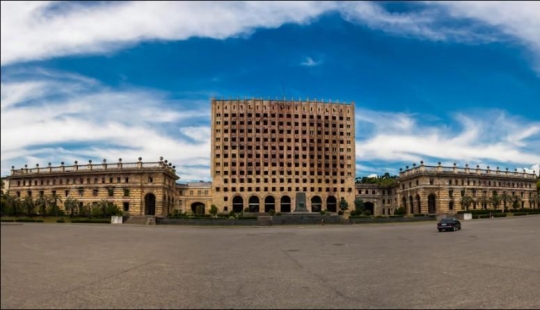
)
(61, 220)
(500, 215)
(395, 216)
(419, 215)
(400, 211)
(520, 213)
(272, 212)
(380, 216)
(340, 212)
(323, 212)
(366, 212)
(8, 220)
(95, 221)
(278, 214)
(213, 210)
(27, 220)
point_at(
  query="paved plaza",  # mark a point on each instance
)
(491, 263)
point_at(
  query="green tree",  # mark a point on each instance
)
(400, 211)
(29, 206)
(343, 205)
(214, 210)
(52, 204)
(106, 208)
(41, 205)
(538, 186)
(535, 200)
(484, 201)
(516, 202)
(70, 205)
(506, 199)
(495, 200)
(466, 201)
(359, 205)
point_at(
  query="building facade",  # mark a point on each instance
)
(284, 156)
(138, 188)
(440, 190)
(278, 155)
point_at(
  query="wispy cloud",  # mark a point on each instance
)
(471, 22)
(309, 62)
(84, 120)
(41, 30)
(489, 137)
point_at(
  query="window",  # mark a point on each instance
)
(150, 180)
(94, 192)
(126, 206)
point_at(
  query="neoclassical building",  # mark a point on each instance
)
(138, 188)
(438, 189)
(276, 155)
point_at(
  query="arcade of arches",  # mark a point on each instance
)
(283, 204)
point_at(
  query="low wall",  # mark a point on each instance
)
(208, 221)
(289, 219)
(391, 220)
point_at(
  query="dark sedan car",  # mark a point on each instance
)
(449, 223)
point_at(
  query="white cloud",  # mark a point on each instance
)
(489, 137)
(35, 31)
(60, 123)
(309, 62)
(460, 21)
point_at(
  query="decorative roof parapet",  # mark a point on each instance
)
(466, 170)
(93, 167)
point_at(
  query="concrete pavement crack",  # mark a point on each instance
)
(104, 278)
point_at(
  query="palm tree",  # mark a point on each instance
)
(70, 205)
(466, 202)
(52, 202)
(516, 202)
(29, 206)
(534, 199)
(506, 199)
(495, 200)
(9, 204)
(484, 201)
(41, 204)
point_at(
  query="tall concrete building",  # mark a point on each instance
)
(282, 155)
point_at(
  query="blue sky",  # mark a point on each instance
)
(433, 81)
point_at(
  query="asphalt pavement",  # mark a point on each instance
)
(490, 263)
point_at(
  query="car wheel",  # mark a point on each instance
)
(455, 228)
(440, 230)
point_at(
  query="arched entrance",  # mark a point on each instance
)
(331, 204)
(316, 204)
(196, 205)
(418, 205)
(411, 203)
(404, 203)
(285, 204)
(370, 207)
(432, 206)
(269, 204)
(253, 204)
(238, 204)
(150, 204)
